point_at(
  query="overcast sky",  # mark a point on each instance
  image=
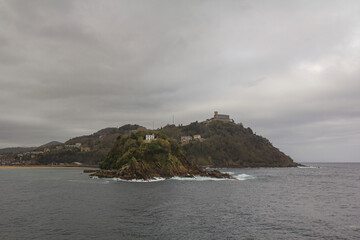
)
(290, 70)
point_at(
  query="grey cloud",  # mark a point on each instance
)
(289, 70)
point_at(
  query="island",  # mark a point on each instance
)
(132, 151)
(148, 155)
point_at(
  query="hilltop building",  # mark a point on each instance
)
(221, 117)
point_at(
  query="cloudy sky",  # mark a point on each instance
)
(290, 70)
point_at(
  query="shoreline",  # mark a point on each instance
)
(45, 167)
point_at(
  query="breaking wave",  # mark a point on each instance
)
(243, 177)
(240, 177)
(138, 180)
(198, 178)
(307, 167)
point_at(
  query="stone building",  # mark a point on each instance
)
(221, 117)
(85, 149)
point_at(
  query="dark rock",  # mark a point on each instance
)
(138, 175)
(90, 170)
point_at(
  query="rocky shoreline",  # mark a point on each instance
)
(102, 173)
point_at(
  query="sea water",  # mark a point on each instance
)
(319, 202)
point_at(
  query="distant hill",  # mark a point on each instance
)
(49, 144)
(16, 149)
(106, 131)
(27, 149)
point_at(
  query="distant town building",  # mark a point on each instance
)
(46, 150)
(84, 149)
(78, 145)
(198, 136)
(221, 117)
(149, 138)
(59, 147)
(37, 152)
(185, 139)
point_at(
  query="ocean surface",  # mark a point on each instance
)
(321, 202)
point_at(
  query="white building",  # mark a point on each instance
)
(186, 139)
(198, 136)
(148, 138)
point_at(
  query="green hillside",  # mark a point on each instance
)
(133, 157)
(220, 144)
(93, 149)
(227, 144)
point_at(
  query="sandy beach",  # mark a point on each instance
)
(60, 167)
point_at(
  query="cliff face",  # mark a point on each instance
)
(227, 144)
(132, 157)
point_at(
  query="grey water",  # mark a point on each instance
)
(264, 203)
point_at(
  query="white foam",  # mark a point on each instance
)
(199, 178)
(156, 179)
(243, 177)
(306, 167)
(240, 177)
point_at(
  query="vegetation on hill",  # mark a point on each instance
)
(99, 144)
(49, 144)
(227, 144)
(133, 157)
(222, 144)
(16, 149)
